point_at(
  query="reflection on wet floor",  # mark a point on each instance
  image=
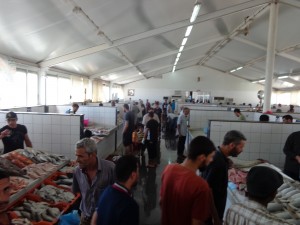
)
(147, 191)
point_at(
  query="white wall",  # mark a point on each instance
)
(215, 82)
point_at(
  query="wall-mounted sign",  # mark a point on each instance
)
(130, 92)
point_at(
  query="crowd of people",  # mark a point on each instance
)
(193, 189)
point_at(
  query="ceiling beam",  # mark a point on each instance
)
(171, 27)
(280, 53)
(170, 53)
(234, 33)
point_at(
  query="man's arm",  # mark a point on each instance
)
(27, 141)
(125, 126)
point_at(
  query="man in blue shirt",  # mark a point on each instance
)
(116, 205)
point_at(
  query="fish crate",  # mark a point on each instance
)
(63, 180)
(49, 216)
(65, 204)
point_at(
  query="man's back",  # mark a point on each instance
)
(184, 196)
(117, 208)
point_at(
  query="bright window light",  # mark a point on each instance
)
(195, 12)
(184, 40)
(181, 48)
(178, 55)
(174, 67)
(188, 30)
(282, 77)
(254, 82)
(231, 71)
(239, 68)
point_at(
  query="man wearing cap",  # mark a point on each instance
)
(13, 135)
(262, 184)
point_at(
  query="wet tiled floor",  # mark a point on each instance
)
(147, 191)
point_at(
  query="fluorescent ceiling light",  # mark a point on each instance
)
(254, 82)
(260, 81)
(140, 73)
(184, 40)
(188, 30)
(196, 10)
(181, 48)
(231, 71)
(239, 68)
(178, 55)
(174, 67)
(177, 59)
(282, 77)
(175, 62)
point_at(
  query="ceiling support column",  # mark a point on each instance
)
(270, 60)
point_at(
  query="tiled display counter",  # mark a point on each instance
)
(264, 140)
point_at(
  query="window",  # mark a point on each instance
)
(51, 90)
(64, 90)
(32, 89)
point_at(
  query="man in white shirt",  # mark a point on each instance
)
(182, 129)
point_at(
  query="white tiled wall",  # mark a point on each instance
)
(98, 116)
(49, 132)
(199, 119)
(264, 140)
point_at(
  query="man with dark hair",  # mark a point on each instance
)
(151, 139)
(91, 177)
(262, 184)
(264, 118)
(116, 205)
(216, 174)
(238, 114)
(287, 119)
(128, 129)
(14, 135)
(185, 198)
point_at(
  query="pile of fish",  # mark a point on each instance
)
(39, 157)
(37, 211)
(238, 177)
(287, 203)
(67, 169)
(20, 221)
(18, 183)
(18, 159)
(35, 171)
(54, 194)
(64, 181)
(8, 167)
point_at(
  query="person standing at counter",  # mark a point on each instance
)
(182, 126)
(240, 115)
(216, 174)
(185, 198)
(75, 108)
(91, 177)
(292, 156)
(262, 184)
(116, 205)
(128, 129)
(14, 135)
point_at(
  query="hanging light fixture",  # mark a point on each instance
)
(196, 10)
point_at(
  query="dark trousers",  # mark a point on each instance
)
(180, 145)
(152, 149)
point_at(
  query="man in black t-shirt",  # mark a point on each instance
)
(13, 135)
(151, 137)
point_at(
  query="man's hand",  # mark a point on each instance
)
(298, 159)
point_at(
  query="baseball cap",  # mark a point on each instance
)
(11, 115)
(263, 181)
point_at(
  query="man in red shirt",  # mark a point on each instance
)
(185, 198)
